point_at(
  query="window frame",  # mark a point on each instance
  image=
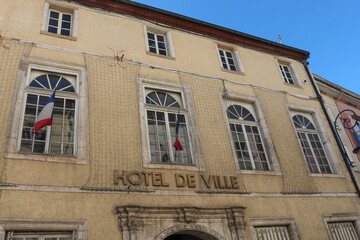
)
(41, 92)
(61, 9)
(77, 227)
(187, 110)
(288, 222)
(323, 136)
(338, 218)
(19, 103)
(263, 128)
(243, 124)
(170, 54)
(290, 65)
(235, 55)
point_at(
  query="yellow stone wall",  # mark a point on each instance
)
(51, 190)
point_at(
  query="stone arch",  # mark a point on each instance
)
(190, 229)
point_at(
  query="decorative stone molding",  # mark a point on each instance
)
(157, 223)
(188, 215)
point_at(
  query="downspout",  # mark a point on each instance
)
(321, 100)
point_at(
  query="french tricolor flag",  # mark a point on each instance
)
(177, 143)
(46, 114)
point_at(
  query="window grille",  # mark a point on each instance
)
(272, 233)
(343, 231)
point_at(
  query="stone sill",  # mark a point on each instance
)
(159, 55)
(45, 158)
(59, 36)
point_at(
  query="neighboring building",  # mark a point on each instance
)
(339, 99)
(259, 159)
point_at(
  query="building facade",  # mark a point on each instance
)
(258, 158)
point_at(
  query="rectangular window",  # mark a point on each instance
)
(343, 231)
(157, 43)
(227, 60)
(60, 20)
(272, 232)
(286, 73)
(59, 23)
(40, 236)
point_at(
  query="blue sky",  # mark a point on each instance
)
(328, 29)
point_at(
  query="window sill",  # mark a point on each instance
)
(45, 158)
(159, 55)
(234, 72)
(327, 175)
(59, 35)
(172, 166)
(293, 85)
(257, 172)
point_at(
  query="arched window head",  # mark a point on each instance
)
(162, 99)
(51, 82)
(302, 122)
(240, 113)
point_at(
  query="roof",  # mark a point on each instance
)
(336, 87)
(186, 23)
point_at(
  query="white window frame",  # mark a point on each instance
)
(77, 227)
(290, 65)
(168, 40)
(235, 55)
(187, 110)
(258, 113)
(294, 109)
(19, 103)
(61, 9)
(338, 218)
(290, 223)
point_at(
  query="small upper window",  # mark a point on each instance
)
(60, 20)
(229, 59)
(158, 42)
(311, 145)
(59, 23)
(287, 73)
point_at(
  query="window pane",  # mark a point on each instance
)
(52, 29)
(66, 17)
(54, 14)
(53, 22)
(65, 32)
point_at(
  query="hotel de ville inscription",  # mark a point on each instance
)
(180, 180)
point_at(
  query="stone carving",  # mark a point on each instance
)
(188, 215)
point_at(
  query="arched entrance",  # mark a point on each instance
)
(190, 235)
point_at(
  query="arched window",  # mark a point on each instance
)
(245, 132)
(311, 145)
(58, 139)
(162, 110)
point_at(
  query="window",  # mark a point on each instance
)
(58, 139)
(59, 23)
(275, 232)
(274, 228)
(343, 231)
(40, 236)
(343, 226)
(229, 59)
(42, 229)
(247, 139)
(60, 20)
(158, 42)
(311, 144)
(286, 73)
(162, 111)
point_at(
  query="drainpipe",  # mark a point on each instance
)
(321, 100)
